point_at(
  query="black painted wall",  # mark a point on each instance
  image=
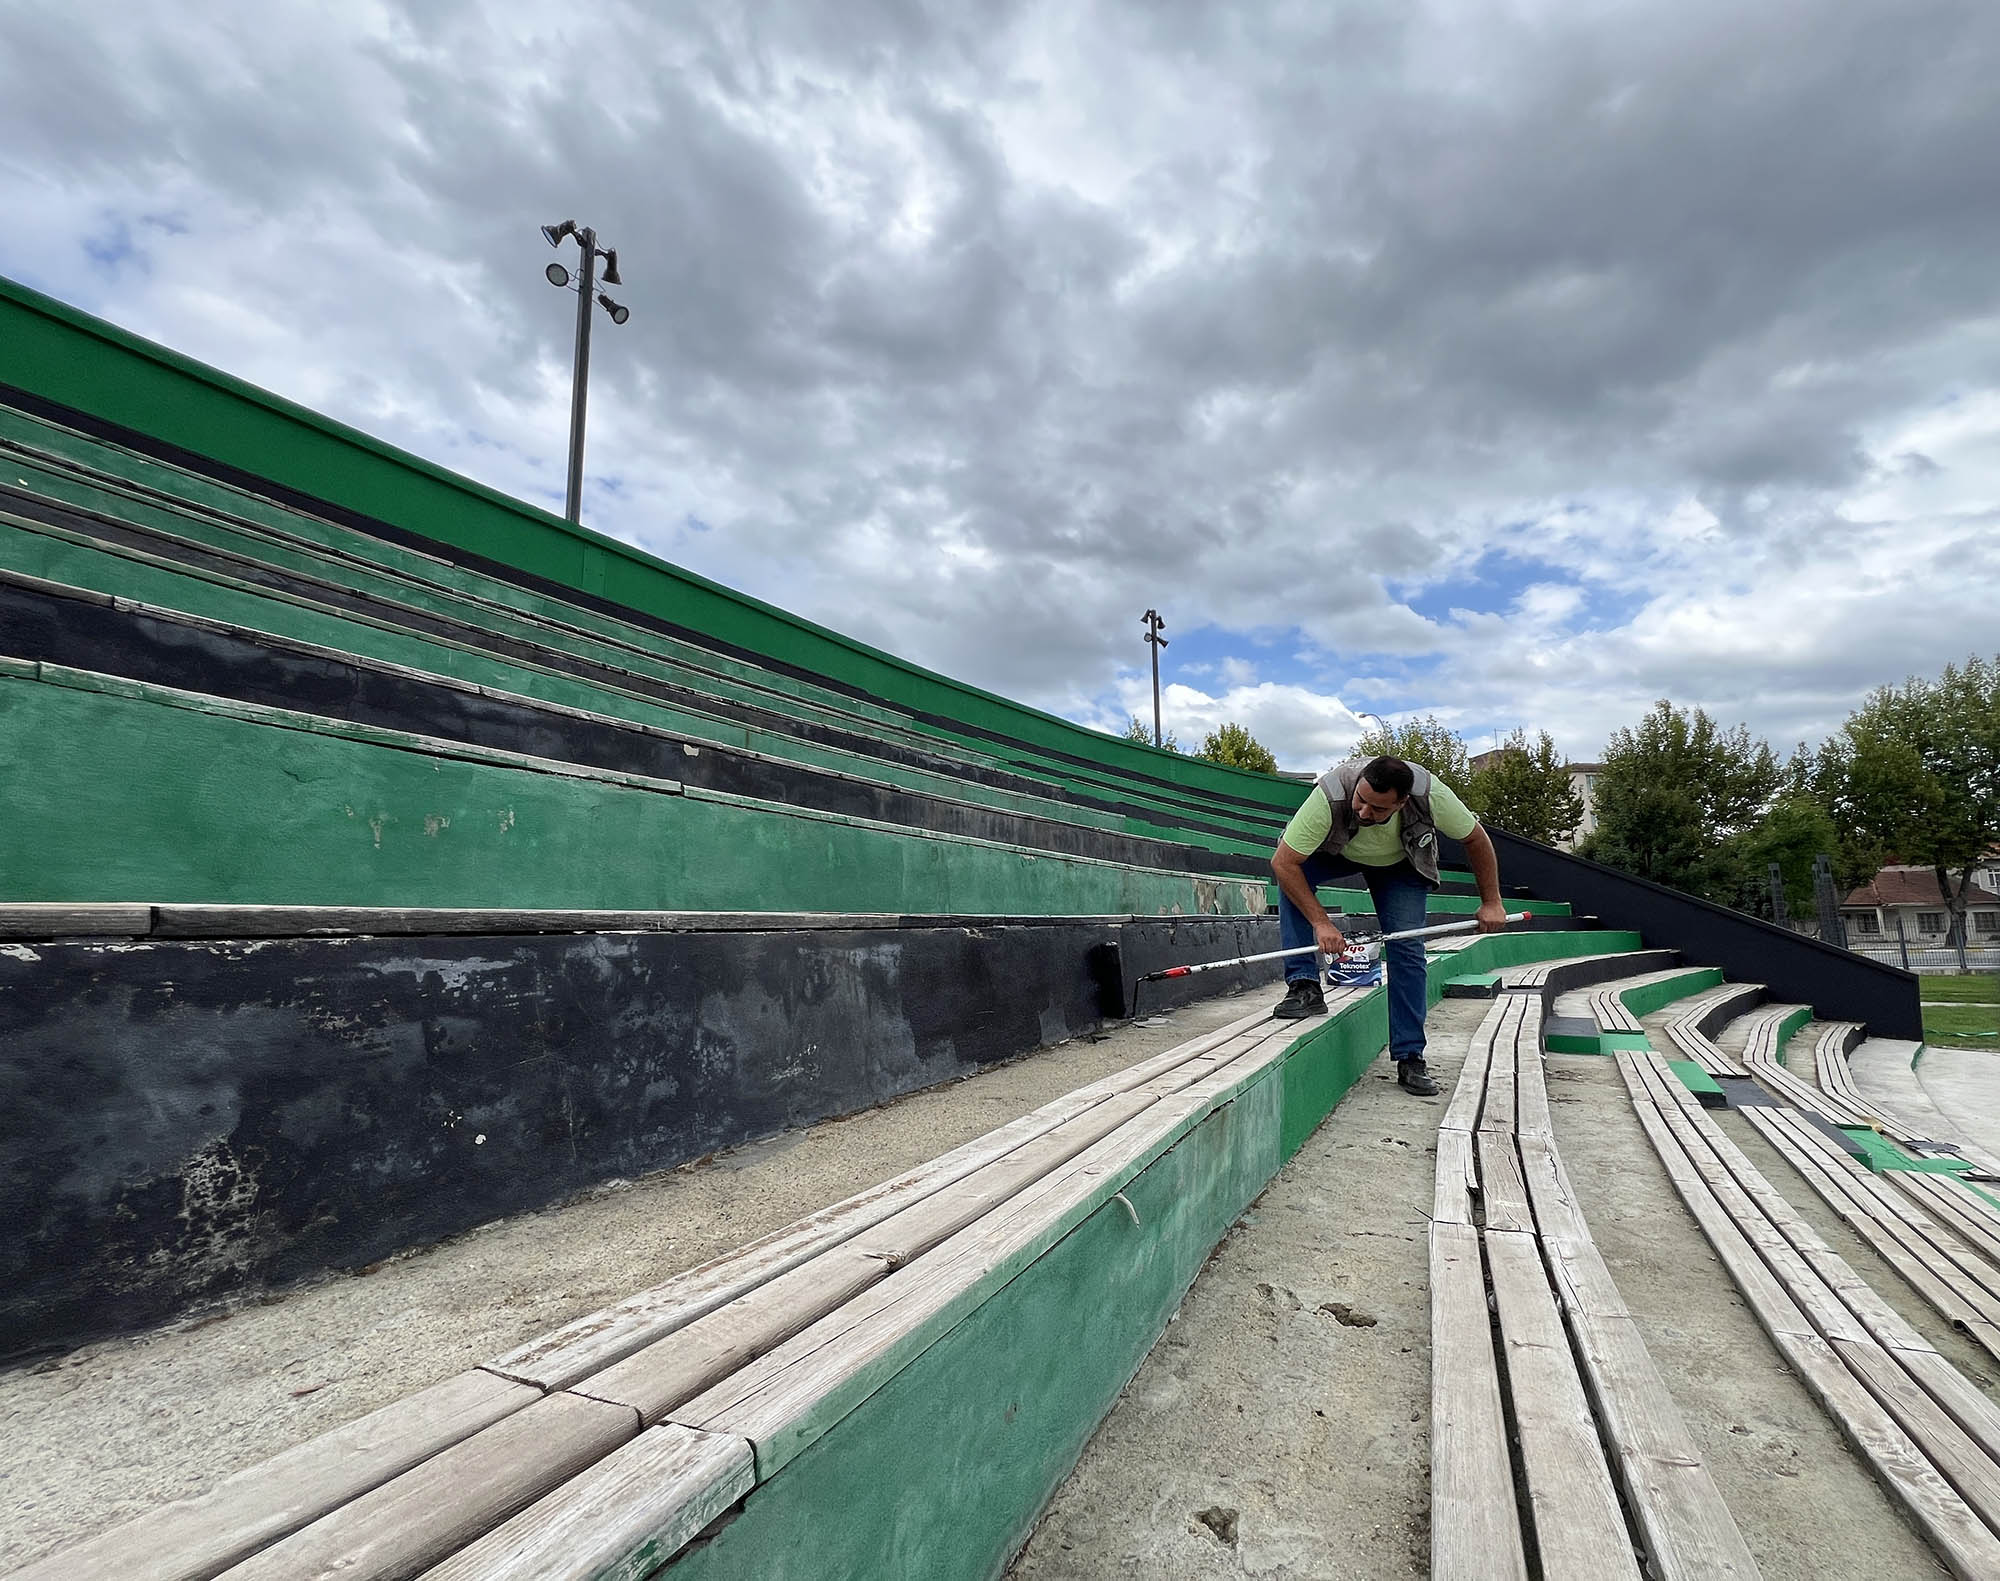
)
(1838, 984)
(186, 1120)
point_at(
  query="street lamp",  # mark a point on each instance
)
(1362, 713)
(586, 291)
(1154, 626)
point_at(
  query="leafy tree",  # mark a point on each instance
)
(1914, 776)
(1674, 790)
(1526, 790)
(1136, 729)
(1794, 834)
(1236, 747)
(1426, 742)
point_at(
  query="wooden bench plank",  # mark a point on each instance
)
(1897, 1426)
(591, 1343)
(620, 1520)
(1579, 1529)
(786, 1400)
(1502, 1194)
(1475, 1530)
(1679, 1511)
(409, 1524)
(195, 1539)
(1457, 1178)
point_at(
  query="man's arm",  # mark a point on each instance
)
(1288, 867)
(1486, 874)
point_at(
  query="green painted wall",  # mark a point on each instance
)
(940, 1471)
(1644, 1000)
(67, 356)
(117, 791)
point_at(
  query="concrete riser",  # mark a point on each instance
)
(190, 1120)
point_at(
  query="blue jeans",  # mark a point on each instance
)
(1401, 897)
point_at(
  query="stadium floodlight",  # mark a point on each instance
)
(1154, 626)
(585, 286)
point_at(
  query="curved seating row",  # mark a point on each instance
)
(1577, 1377)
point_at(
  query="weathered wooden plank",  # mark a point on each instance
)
(1931, 1276)
(1457, 1178)
(1953, 1489)
(1531, 1088)
(1829, 1365)
(1680, 1513)
(1498, 1112)
(1579, 1529)
(670, 1371)
(1503, 1195)
(1954, 1207)
(596, 1341)
(620, 1520)
(788, 1398)
(409, 1524)
(1475, 1525)
(194, 1539)
(57, 920)
(1462, 1113)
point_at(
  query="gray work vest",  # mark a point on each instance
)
(1419, 827)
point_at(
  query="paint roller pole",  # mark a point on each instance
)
(1312, 949)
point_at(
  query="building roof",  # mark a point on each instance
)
(1899, 886)
(1583, 768)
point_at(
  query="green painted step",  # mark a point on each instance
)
(1648, 997)
(1698, 1081)
(117, 791)
(66, 356)
(1879, 1154)
(128, 573)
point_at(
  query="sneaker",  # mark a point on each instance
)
(1302, 998)
(1413, 1076)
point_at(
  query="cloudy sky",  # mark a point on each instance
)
(1519, 363)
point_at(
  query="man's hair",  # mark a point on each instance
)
(1390, 776)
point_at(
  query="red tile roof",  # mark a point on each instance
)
(1899, 886)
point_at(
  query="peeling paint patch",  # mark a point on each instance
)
(507, 820)
(20, 952)
(433, 822)
(376, 824)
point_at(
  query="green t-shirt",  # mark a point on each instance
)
(1376, 844)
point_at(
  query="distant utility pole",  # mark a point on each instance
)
(585, 288)
(1154, 626)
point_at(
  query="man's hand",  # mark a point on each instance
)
(1330, 939)
(1492, 916)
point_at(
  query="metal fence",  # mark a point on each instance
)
(1929, 952)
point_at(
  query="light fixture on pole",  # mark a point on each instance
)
(585, 286)
(1387, 734)
(1154, 626)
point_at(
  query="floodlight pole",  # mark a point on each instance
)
(580, 383)
(586, 294)
(1154, 626)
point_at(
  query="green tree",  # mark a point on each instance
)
(1136, 729)
(1526, 790)
(1236, 747)
(1426, 742)
(1914, 776)
(1794, 833)
(1675, 789)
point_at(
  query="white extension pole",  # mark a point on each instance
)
(1307, 949)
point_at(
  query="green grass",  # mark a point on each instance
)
(1967, 1026)
(1973, 988)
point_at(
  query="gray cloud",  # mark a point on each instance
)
(974, 331)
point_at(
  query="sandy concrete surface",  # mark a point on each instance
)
(1281, 1428)
(108, 1432)
(1964, 1084)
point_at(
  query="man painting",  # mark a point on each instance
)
(1380, 818)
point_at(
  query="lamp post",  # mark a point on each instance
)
(1154, 626)
(1362, 713)
(586, 291)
